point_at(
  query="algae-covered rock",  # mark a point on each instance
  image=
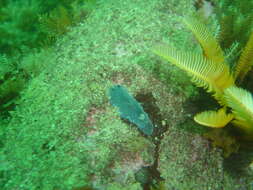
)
(188, 162)
(114, 152)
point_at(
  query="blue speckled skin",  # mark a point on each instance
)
(130, 109)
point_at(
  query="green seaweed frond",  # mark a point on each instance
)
(245, 61)
(210, 46)
(57, 22)
(241, 102)
(208, 70)
(236, 21)
(215, 119)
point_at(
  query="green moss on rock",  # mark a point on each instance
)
(188, 162)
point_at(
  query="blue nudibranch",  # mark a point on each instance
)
(130, 109)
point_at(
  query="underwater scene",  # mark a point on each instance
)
(126, 95)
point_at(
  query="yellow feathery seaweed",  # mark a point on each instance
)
(210, 46)
(209, 70)
(246, 60)
(213, 76)
(241, 102)
(215, 119)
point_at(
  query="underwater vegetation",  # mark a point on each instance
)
(26, 28)
(130, 109)
(235, 19)
(211, 71)
(34, 23)
(63, 135)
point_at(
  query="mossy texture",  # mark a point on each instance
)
(183, 165)
(189, 162)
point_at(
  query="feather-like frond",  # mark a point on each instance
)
(213, 76)
(232, 53)
(210, 46)
(241, 102)
(215, 119)
(246, 60)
